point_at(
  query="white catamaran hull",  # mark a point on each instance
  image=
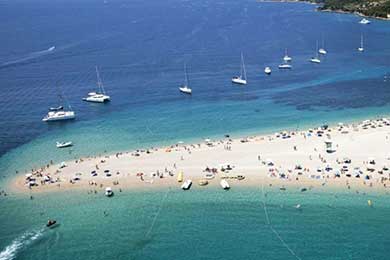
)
(59, 116)
(99, 99)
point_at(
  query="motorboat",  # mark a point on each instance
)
(184, 88)
(51, 223)
(364, 21)
(100, 96)
(267, 70)
(109, 192)
(224, 184)
(241, 80)
(63, 144)
(186, 185)
(285, 66)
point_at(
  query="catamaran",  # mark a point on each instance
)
(315, 59)
(242, 78)
(361, 48)
(99, 96)
(59, 113)
(286, 58)
(184, 88)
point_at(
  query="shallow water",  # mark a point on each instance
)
(207, 223)
(140, 48)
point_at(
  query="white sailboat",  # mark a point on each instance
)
(316, 59)
(184, 88)
(267, 70)
(59, 113)
(361, 48)
(286, 58)
(322, 50)
(285, 66)
(242, 78)
(99, 96)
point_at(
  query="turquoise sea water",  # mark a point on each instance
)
(199, 224)
(140, 47)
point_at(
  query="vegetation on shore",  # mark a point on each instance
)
(374, 8)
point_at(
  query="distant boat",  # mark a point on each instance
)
(184, 88)
(284, 66)
(267, 70)
(99, 96)
(51, 48)
(225, 185)
(109, 192)
(59, 113)
(63, 144)
(315, 59)
(186, 185)
(286, 58)
(51, 223)
(361, 48)
(242, 78)
(322, 50)
(364, 21)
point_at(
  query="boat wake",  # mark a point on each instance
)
(27, 58)
(19, 244)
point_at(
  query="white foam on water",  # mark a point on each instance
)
(19, 243)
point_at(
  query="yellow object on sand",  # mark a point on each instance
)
(180, 177)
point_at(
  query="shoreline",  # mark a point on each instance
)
(298, 160)
(340, 11)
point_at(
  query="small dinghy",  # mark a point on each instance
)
(225, 185)
(63, 144)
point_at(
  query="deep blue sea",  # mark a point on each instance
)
(141, 48)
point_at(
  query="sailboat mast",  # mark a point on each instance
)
(185, 75)
(243, 72)
(99, 81)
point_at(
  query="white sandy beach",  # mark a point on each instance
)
(359, 161)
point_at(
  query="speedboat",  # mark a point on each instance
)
(51, 223)
(186, 185)
(185, 90)
(241, 80)
(59, 115)
(99, 96)
(361, 48)
(224, 184)
(285, 66)
(364, 21)
(109, 192)
(63, 144)
(267, 70)
(315, 60)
